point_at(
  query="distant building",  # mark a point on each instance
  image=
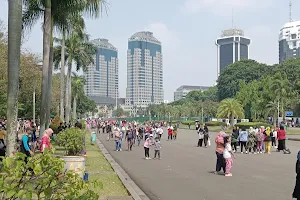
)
(144, 71)
(289, 41)
(183, 90)
(232, 47)
(102, 77)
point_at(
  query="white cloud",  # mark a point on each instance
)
(221, 7)
(166, 36)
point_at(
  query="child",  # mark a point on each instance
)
(147, 145)
(157, 148)
(228, 155)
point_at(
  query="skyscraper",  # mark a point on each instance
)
(289, 41)
(102, 77)
(144, 70)
(232, 47)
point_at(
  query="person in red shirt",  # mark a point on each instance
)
(281, 136)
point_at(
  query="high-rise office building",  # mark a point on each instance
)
(232, 47)
(183, 90)
(102, 77)
(289, 41)
(144, 70)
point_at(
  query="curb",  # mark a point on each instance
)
(133, 189)
(294, 139)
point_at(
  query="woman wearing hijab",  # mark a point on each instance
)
(45, 143)
(296, 193)
(219, 152)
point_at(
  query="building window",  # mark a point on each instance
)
(294, 36)
(294, 44)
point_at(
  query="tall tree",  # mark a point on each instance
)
(77, 91)
(13, 68)
(80, 51)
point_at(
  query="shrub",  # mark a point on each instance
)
(43, 177)
(247, 125)
(72, 140)
(83, 124)
(212, 123)
(55, 124)
(187, 122)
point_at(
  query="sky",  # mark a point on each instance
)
(187, 29)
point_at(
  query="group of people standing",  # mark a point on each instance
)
(259, 140)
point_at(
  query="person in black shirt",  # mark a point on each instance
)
(296, 193)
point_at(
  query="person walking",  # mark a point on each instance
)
(219, 152)
(129, 136)
(170, 132)
(243, 139)
(251, 141)
(175, 132)
(296, 193)
(206, 136)
(25, 148)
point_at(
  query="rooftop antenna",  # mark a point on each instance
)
(290, 10)
(232, 19)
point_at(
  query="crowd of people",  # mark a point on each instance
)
(133, 134)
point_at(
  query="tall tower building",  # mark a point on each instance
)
(144, 71)
(289, 41)
(102, 77)
(231, 47)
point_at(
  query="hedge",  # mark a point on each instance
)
(212, 123)
(247, 125)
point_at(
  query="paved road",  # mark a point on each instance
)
(185, 172)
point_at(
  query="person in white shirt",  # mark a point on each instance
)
(274, 138)
(228, 155)
(159, 132)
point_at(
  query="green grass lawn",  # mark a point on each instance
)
(99, 169)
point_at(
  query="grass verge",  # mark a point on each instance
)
(99, 169)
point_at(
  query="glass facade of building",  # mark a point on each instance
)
(231, 49)
(144, 70)
(102, 77)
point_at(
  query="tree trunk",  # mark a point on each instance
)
(13, 68)
(274, 119)
(74, 108)
(49, 94)
(68, 92)
(46, 54)
(232, 120)
(62, 78)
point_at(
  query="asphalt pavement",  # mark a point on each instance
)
(185, 171)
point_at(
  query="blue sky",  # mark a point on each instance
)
(187, 29)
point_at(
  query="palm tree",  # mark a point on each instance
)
(79, 50)
(273, 108)
(13, 68)
(49, 9)
(281, 88)
(230, 108)
(77, 90)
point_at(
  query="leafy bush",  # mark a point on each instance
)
(55, 124)
(72, 140)
(212, 123)
(83, 124)
(187, 122)
(43, 177)
(247, 125)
